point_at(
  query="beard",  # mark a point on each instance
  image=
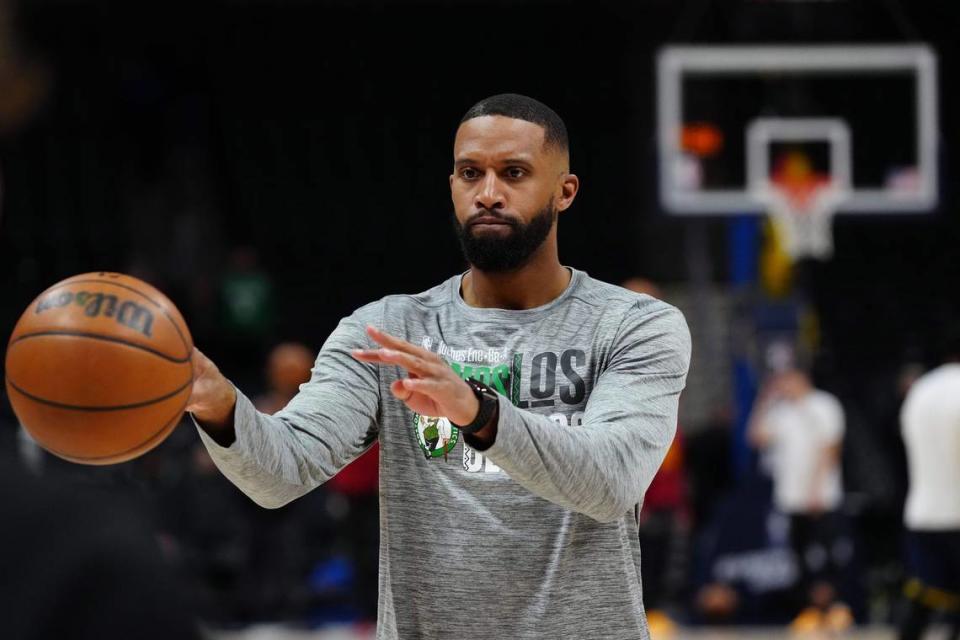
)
(495, 253)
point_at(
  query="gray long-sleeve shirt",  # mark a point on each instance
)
(535, 537)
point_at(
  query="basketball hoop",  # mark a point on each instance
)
(802, 217)
(800, 200)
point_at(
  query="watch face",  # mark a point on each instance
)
(488, 403)
(479, 387)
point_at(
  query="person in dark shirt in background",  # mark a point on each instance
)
(354, 491)
(82, 564)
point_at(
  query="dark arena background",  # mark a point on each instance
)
(273, 165)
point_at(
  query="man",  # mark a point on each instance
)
(802, 428)
(559, 394)
(930, 419)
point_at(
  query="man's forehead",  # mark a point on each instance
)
(499, 135)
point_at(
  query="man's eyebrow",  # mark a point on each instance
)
(459, 162)
(526, 161)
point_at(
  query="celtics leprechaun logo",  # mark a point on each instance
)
(437, 437)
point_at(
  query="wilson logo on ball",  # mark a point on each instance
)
(128, 313)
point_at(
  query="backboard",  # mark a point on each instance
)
(864, 117)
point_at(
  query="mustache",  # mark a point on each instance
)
(487, 213)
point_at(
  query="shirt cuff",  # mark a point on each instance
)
(243, 417)
(508, 424)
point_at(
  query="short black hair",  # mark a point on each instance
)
(514, 105)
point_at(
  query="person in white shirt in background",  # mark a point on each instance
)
(800, 429)
(930, 424)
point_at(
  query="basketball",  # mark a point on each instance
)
(98, 368)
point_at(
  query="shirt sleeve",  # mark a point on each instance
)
(603, 468)
(329, 423)
(832, 421)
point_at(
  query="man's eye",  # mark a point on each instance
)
(469, 173)
(516, 172)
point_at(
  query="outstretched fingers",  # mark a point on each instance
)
(411, 363)
(392, 342)
(400, 391)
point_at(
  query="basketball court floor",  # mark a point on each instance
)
(726, 633)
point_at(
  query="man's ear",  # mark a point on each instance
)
(568, 191)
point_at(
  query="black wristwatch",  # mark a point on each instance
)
(488, 404)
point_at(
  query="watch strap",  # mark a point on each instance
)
(487, 398)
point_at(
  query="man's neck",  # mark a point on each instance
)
(530, 286)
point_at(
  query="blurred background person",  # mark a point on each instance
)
(247, 316)
(931, 431)
(25, 80)
(350, 501)
(83, 563)
(208, 526)
(354, 500)
(801, 429)
(288, 366)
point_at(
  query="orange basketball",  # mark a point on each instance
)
(98, 368)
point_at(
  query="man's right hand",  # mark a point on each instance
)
(213, 399)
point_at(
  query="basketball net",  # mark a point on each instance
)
(801, 207)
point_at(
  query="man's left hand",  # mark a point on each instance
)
(431, 387)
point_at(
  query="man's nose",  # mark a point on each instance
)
(490, 195)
